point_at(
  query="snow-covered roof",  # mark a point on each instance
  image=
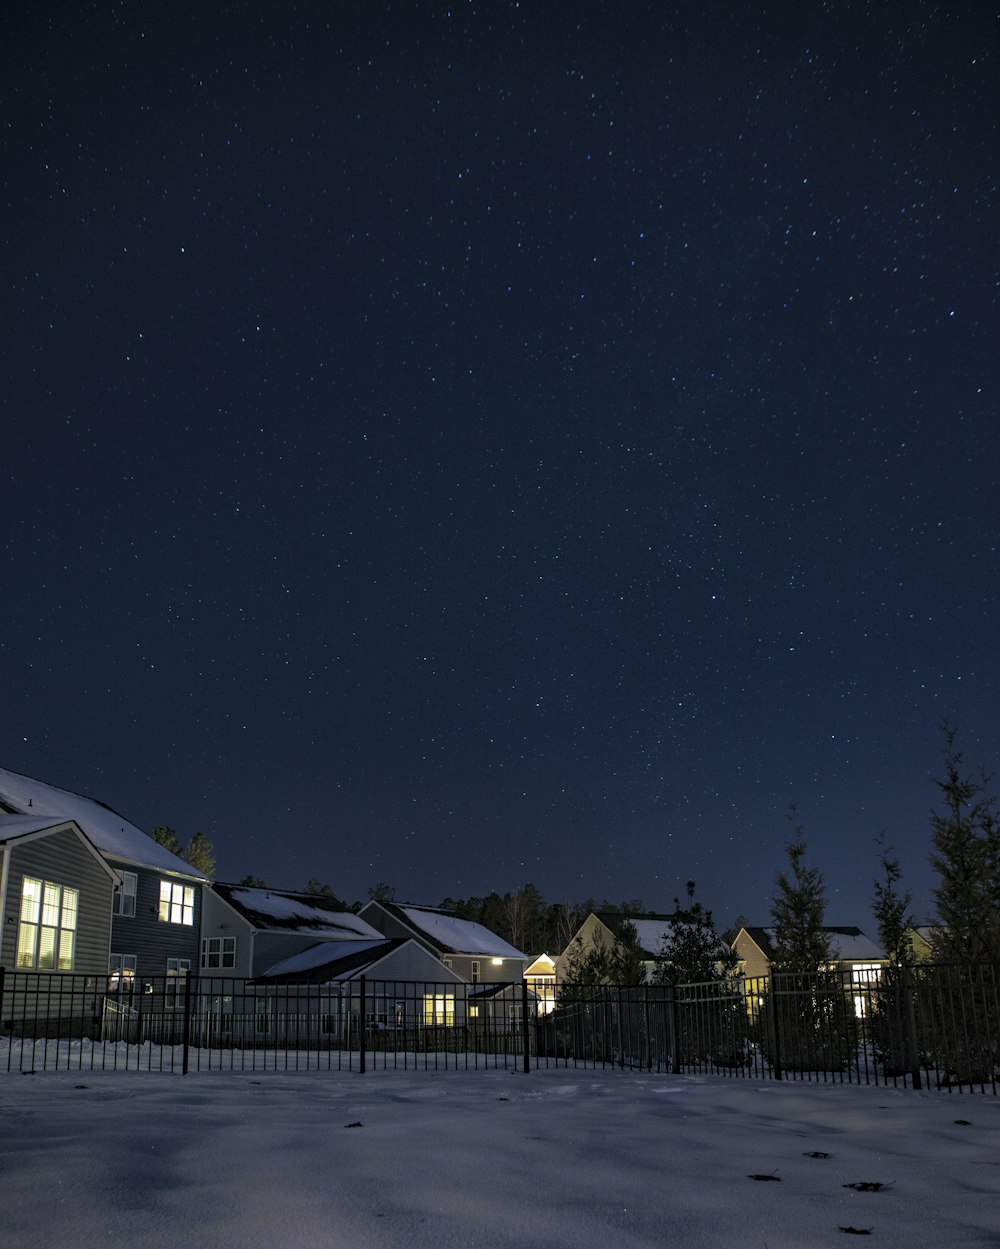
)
(22, 825)
(651, 933)
(847, 945)
(460, 936)
(342, 959)
(271, 910)
(110, 832)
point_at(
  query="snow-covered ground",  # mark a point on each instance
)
(581, 1159)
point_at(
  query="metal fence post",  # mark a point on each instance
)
(772, 1007)
(525, 1032)
(912, 1053)
(186, 1051)
(673, 1030)
(361, 1028)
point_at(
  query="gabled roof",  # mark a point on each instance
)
(330, 960)
(15, 828)
(110, 832)
(846, 944)
(652, 930)
(312, 914)
(447, 932)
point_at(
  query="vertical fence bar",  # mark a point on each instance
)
(525, 1031)
(772, 1006)
(186, 1044)
(362, 1066)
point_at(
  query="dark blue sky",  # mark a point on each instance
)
(465, 445)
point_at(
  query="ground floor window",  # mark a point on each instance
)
(439, 1010)
(46, 935)
(173, 990)
(121, 973)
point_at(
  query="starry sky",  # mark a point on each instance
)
(467, 444)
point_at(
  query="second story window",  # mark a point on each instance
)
(218, 952)
(123, 902)
(475, 971)
(176, 903)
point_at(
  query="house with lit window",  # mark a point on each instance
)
(156, 909)
(463, 946)
(850, 951)
(247, 930)
(394, 984)
(55, 897)
(602, 931)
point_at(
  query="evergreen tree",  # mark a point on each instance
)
(892, 910)
(167, 837)
(797, 909)
(965, 857)
(253, 882)
(201, 854)
(627, 960)
(382, 892)
(692, 951)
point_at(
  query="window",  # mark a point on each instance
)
(123, 902)
(473, 1012)
(439, 1010)
(446, 961)
(46, 935)
(176, 903)
(475, 970)
(177, 971)
(121, 973)
(218, 952)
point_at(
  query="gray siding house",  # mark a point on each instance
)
(55, 898)
(155, 912)
(463, 946)
(247, 930)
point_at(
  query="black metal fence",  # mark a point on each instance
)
(932, 1026)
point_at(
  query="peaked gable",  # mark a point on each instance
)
(445, 930)
(110, 832)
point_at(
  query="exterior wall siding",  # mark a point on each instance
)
(218, 919)
(145, 935)
(62, 858)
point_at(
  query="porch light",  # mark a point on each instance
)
(496, 962)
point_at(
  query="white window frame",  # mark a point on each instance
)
(476, 972)
(178, 969)
(121, 973)
(439, 1010)
(218, 953)
(176, 903)
(123, 901)
(46, 934)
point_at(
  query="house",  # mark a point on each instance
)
(850, 951)
(922, 942)
(155, 912)
(405, 988)
(541, 979)
(55, 897)
(471, 950)
(602, 930)
(247, 930)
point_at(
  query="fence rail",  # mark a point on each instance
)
(929, 1026)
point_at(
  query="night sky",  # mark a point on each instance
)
(462, 445)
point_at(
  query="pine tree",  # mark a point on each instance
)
(892, 910)
(201, 854)
(628, 965)
(167, 837)
(797, 909)
(692, 950)
(965, 857)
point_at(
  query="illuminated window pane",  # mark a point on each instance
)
(47, 949)
(31, 897)
(27, 936)
(70, 903)
(67, 940)
(50, 905)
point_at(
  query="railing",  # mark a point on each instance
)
(930, 1026)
